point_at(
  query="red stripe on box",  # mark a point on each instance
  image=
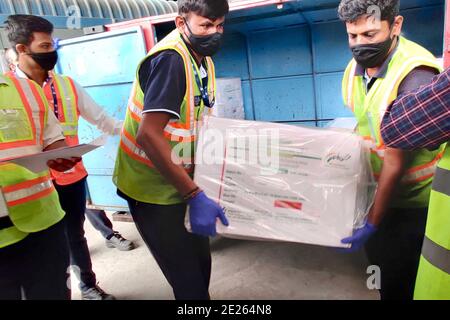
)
(288, 204)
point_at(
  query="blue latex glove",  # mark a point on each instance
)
(359, 237)
(203, 213)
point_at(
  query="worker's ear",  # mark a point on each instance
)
(180, 23)
(397, 26)
(21, 48)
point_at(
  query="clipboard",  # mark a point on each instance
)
(38, 162)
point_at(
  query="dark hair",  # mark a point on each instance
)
(352, 10)
(211, 9)
(20, 28)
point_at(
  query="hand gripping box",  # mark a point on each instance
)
(282, 182)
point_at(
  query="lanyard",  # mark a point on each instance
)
(55, 99)
(203, 91)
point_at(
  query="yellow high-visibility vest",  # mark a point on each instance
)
(31, 199)
(369, 109)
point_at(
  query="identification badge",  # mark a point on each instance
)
(3, 206)
(203, 72)
(197, 100)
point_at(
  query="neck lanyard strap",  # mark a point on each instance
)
(203, 90)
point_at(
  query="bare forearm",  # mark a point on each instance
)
(158, 150)
(391, 174)
(56, 145)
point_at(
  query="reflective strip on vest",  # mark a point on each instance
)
(421, 173)
(171, 131)
(69, 129)
(190, 121)
(69, 107)
(441, 182)
(136, 111)
(28, 191)
(417, 174)
(413, 175)
(175, 132)
(130, 147)
(437, 255)
(350, 86)
(211, 75)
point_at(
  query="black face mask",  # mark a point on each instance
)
(372, 55)
(205, 45)
(46, 61)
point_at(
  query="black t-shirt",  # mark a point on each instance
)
(163, 81)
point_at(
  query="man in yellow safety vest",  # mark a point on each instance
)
(34, 256)
(31, 37)
(386, 65)
(174, 88)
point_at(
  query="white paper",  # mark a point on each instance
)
(229, 99)
(38, 162)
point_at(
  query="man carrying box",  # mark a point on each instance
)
(386, 65)
(174, 88)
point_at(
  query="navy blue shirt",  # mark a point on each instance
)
(163, 81)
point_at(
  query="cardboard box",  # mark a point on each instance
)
(284, 183)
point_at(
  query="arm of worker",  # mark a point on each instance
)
(163, 81)
(96, 115)
(394, 165)
(420, 119)
(54, 139)
(152, 140)
(393, 168)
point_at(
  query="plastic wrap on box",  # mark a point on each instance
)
(340, 124)
(229, 100)
(284, 183)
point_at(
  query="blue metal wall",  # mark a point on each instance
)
(291, 60)
(105, 66)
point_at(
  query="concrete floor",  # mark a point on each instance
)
(241, 270)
